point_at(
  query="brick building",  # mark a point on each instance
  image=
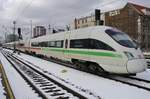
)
(132, 19)
(86, 21)
(39, 31)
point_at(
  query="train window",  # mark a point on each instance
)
(34, 44)
(21, 44)
(51, 44)
(96, 44)
(89, 44)
(122, 38)
(43, 44)
(59, 44)
(79, 43)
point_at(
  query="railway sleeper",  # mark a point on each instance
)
(40, 80)
(34, 77)
(63, 94)
(45, 85)
(45, 88)
(48, 90)
(57, 94)
(52, 90)
(63, 97)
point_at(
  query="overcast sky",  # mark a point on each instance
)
(54, 12)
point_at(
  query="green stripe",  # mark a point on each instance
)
(91, 53)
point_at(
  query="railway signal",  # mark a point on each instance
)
(19, 33)
(98, 20)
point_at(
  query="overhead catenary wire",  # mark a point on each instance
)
(31, 1)
(18, 7)
(99, 6)
(108, 3)
(23, 10)
(20, 11)
(14, 14)
(111, 2)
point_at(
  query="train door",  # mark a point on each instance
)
(66, 47)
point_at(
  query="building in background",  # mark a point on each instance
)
(11, 38)
(132, 19)
(86, 21)
(39, 31)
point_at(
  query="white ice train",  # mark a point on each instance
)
(101, 48)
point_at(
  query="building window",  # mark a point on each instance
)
(78, 21)
(85, 20)
(131, 12)
(82, 20)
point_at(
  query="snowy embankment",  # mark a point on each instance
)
(107, 89)
(19, 87)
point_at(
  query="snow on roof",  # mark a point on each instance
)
(139, 8)
(104, 10)
(136, 6)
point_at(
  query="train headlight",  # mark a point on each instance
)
(129, 55)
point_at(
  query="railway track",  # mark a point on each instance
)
(46, 87)
(140, 83)
(148, 63)
(138, 79)
(131, 81)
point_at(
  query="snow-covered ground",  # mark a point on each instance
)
(19, 87)
(107, 89)
(144, 75)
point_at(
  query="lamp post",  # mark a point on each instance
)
(14, 30)
(30, 36)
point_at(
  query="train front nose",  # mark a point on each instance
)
(136, 65)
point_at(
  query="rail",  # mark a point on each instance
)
(45, 86)
(5, 81)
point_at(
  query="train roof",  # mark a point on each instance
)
(61, 35)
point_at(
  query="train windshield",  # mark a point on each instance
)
(122, 38)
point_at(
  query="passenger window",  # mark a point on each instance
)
(59, 44)
(51, 44)
(79, 43)
(95, 44)
(43, 44)
(35, 44)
